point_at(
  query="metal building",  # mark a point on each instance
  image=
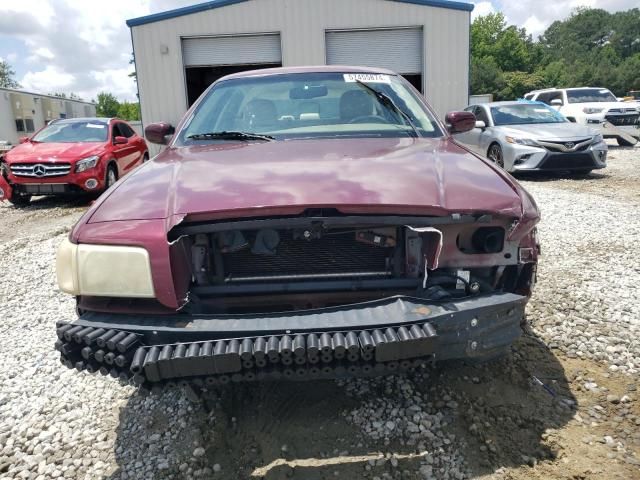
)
(179, 53)
(23, 113)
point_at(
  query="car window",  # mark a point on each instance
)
(126, 130)
(72, 131)
(481, 115)
(544, 97)
(587, 95)
(310, 105)
(524, 114)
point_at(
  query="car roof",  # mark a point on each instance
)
(308, 69)
(510, 102)
(83, 119)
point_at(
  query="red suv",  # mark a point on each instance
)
(71, 156)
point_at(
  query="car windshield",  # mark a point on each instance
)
(73, 132)
(524, 114)
(588, 95)
(310, 105)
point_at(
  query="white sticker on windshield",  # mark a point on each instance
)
(367, 77)
(541, 110)
(603, 91)
(95, 125)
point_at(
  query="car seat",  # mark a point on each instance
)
(354, 104)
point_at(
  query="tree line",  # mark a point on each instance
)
(590, 48)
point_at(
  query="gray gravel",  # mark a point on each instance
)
(56, 423)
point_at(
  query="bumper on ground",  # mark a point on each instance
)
(371, 338)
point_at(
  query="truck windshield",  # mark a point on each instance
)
(587, 95)
(68, 131)
(525, 113)
(309, 105)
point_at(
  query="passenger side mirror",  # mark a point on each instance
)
(460, 122)
(159, 133)
(120, 140)
(557, 102)
(24, 139)
(480, 124)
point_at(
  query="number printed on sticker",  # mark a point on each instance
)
(367, 77)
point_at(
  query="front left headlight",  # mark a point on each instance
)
(104, 270)
(598, 138)
(590, 110)
(522, 141)
(87, 163)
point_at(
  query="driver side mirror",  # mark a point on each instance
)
(557, 102)
(480, 124)
(159, 133)
(460, 122)
(120, 140)
(24, 139)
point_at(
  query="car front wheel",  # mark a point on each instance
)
(112, 177)
(495, 155)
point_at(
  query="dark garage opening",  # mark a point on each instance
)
(199, 78)
(414, 79)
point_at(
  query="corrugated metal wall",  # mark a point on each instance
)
(302, 25)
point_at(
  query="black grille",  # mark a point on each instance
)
(568, 160)
(47, 188)
(620, 120)
(332, 254)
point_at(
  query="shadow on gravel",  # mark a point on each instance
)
(299, 430)
(554, 176)
(40, 203)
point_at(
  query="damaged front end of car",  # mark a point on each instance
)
(321, 294)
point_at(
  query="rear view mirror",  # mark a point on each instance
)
(460, 122)
(556, 102)
(480, 124)
(159, 132)
(308, 91)
(24, 139)
(120, 140)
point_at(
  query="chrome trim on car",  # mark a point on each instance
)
(565, 145)
(40, 170)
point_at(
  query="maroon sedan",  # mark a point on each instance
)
(301, 223)
(71, 156)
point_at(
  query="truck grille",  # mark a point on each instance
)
(622, 120)
(330, 256)
(40, 170)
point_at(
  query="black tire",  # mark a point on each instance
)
(624, 143)
(112, 176)
(495, 154)
(20, 200)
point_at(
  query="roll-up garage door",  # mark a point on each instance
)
(231, 50)
(398, 49)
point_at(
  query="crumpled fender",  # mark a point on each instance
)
(5, 189)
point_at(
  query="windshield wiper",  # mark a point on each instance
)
(387, 102)
(224, 135)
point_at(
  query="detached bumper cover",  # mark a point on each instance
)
(368, 338)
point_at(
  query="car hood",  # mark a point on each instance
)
(548, 131)
(233, 179)
(45, 152)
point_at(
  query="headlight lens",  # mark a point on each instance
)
(87, 163)
(104, 270)
(598, 138)
(592, 110)
(522, 141)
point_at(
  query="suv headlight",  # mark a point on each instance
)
(87, 163)
(598, 138)
(522, 141)
(104, 270)
(590, 110)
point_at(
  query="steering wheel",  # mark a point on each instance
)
(368, 119)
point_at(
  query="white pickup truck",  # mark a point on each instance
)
(595, 107)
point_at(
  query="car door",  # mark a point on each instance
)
(126, 154)
(486, 135)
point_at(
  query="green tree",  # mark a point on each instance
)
(129, 111)
(6, 76)
(486, 76)
(107, 105)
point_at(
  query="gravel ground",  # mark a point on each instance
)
(492, 421)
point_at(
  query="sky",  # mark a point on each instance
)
(84, 46)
